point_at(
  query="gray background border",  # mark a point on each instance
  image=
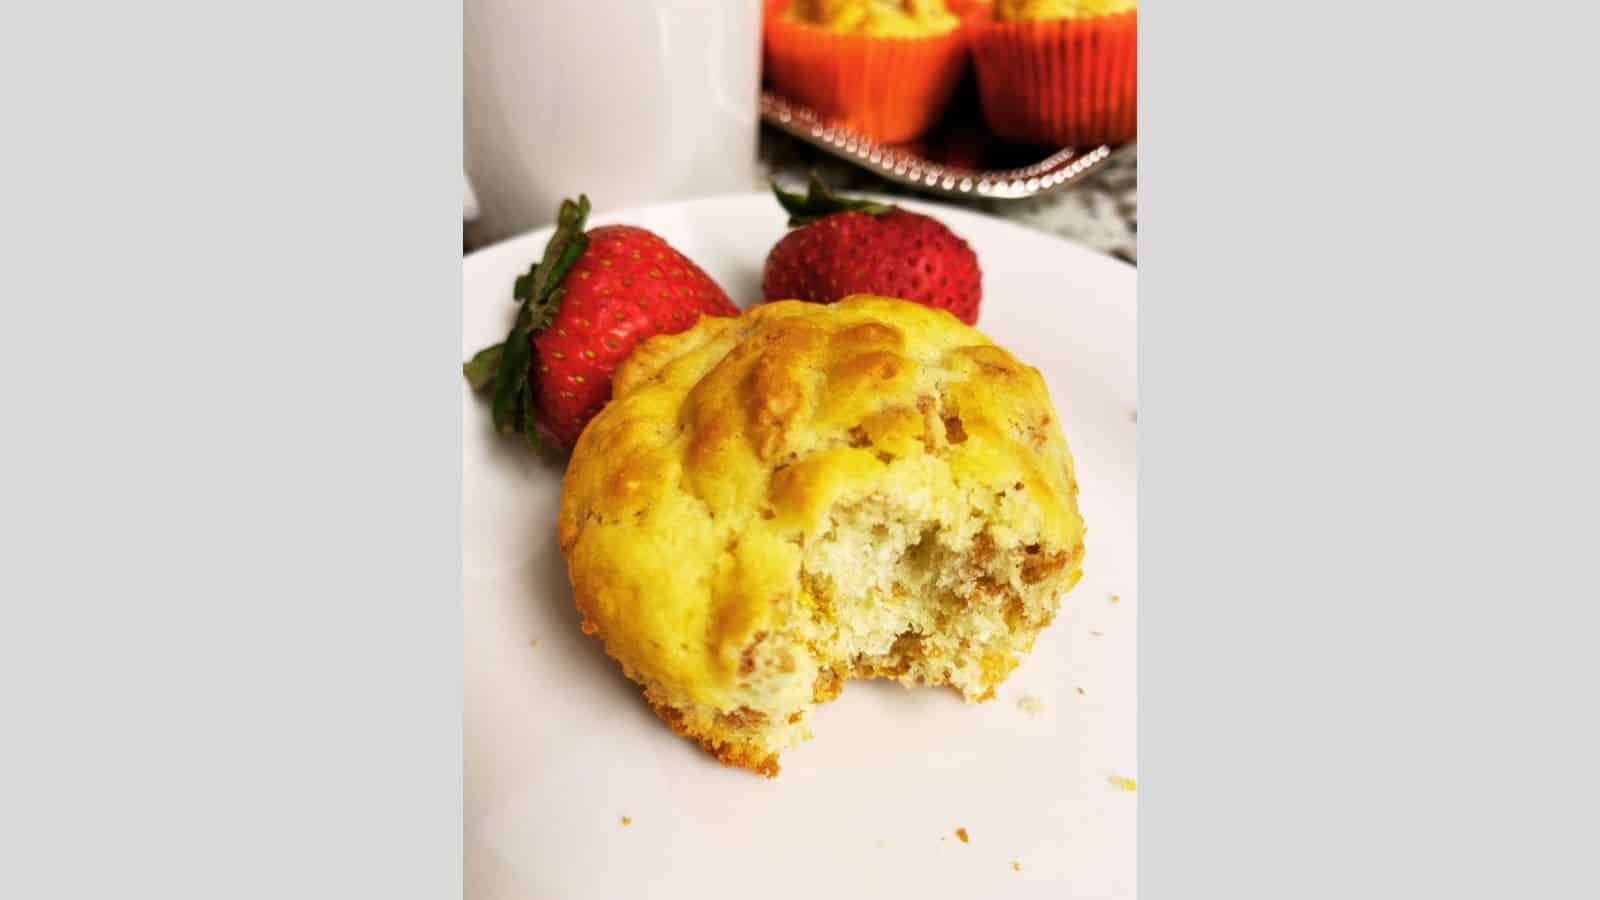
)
(231, 645)
(1366, 452)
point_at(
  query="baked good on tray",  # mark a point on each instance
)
(886, 68)
(775, 503)
(1058, 72)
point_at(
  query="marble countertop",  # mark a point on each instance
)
(1100, 212)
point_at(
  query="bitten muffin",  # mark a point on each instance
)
(886, 68)
(775, 503)
(1058, 72)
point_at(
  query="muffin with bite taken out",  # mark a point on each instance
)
(773, 504)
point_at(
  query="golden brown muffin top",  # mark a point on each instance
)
(724, 448)
(876, 18)
(1035, 10)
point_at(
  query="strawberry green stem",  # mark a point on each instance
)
(818, 202)
(506, 370)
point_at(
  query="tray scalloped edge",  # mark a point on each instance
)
(1057, 171)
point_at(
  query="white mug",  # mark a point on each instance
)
(628, 101)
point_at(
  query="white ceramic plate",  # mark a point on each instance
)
(560, 746)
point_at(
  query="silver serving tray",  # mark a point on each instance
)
(905, 166)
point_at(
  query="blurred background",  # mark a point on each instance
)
(647, 101)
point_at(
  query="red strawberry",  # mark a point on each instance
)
(586, 304)
(845, 247)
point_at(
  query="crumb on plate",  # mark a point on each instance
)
(1016, 866)
(962, 833)
(1126, 784)
(534, 642)
(626, 820)
(1115, 598)
(1080, 691)
(1030, 704)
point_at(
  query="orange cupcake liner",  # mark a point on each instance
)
(1062, 82)
(890, 88)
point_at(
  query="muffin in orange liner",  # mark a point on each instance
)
(1058, 72)
(886, 68)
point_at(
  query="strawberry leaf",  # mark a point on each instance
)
(547, 300)
(514, 390)
(480, 369)
(547, 275)
(512, 379)
(818, 202)
(523, 287)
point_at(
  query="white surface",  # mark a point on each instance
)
(634, 101)
(559, 745)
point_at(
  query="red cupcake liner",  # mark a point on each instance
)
(890, 88)
(1061, 82)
